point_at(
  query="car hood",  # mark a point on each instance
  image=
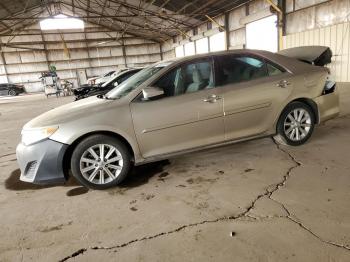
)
(69, 112)
(317, 55)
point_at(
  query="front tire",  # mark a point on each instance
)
(12, 92)
(100, 162)
(295, 125)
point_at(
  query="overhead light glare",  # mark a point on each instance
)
(61, 22)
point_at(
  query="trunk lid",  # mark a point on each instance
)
(315, 55)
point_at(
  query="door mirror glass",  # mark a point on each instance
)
(150, 93)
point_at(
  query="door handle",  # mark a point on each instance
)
(283, 83)
(212, 99)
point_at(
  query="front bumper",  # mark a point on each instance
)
(42, 162)
(328, 106)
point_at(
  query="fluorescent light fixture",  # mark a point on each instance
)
(61, 22)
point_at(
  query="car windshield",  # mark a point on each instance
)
(109, 73)
(136, 80)
(112, 79)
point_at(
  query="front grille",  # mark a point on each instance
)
(30, 169)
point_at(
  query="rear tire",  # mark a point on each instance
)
(101, 162)
(295, 125)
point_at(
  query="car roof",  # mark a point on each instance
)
(227, 52)
(290, 64)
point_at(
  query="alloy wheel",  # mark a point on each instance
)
(297, 124)
(101, 164)
(12, 92)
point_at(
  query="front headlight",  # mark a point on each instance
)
(33, 135)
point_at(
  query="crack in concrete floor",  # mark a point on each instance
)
(295, 220)
(268, 193)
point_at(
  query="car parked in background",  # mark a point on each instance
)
(11, 89)
(100, 79)
(176, 107)
(101, 89)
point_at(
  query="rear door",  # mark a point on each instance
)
(253, 90)
(189, 115)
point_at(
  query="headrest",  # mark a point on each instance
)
(196, 76)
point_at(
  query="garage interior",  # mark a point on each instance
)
(251, 201)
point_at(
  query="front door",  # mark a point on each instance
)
(189, 115)
(253, 91)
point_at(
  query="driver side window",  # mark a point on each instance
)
(187, 78)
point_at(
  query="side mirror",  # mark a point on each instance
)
(115, 84)
(150, 93)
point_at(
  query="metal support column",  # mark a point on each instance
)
(227, 30)
(124, 52)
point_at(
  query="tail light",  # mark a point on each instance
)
(329, 87)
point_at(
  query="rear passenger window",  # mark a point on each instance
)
(273, 70)
(234, 69)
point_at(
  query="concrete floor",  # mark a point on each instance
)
(253, 201)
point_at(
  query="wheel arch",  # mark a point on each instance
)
(68, 154)
(308, 101)
(312, 104)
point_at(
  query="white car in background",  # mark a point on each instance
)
(101, 79)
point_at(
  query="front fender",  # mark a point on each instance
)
(68, 135)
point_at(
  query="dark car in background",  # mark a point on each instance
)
(11, 89)
(101, 89)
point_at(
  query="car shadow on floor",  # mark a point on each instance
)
(140, 175)
(14, 183)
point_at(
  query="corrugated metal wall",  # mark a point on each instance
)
(309, 22)
(91, 52)
(337, 37)
(303, 15)
(237, 19)
(168, 49)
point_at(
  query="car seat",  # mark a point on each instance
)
(198, 82)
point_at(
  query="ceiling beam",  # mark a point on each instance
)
(207, 4)
(3, 6)
(104, 16)
(25, 6)
(164, 4)
(103, 9)
(17, 15)
(187, 5)
(156, 31)
(12, 27)
(73, 7)
(155, 40)
(150, 12)
(5, 25)
(34, 32)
